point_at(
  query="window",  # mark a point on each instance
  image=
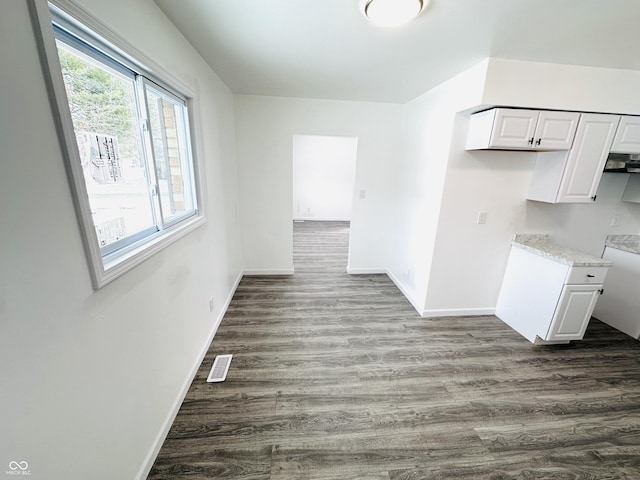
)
(127, 143)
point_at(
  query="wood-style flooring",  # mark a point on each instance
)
(335, 376)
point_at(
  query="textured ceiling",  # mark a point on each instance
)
(327, 49)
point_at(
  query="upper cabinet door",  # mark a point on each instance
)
(555, 130)
(516, 129)
(513, 128)
(586, 159)
(627, 139)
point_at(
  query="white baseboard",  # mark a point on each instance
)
(407, 294)
(283, 271)
(445, 312)
(366, 271)
(458, 312)
(320, 219)
(143, 473)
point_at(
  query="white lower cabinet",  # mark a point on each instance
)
(573, 313)
(548, 301)
(620, 304)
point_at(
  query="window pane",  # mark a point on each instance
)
(167, 124)
(104, 113)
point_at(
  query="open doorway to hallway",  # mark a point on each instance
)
(324, 171)
(320, 247)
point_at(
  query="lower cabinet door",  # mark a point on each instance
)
(573, 312)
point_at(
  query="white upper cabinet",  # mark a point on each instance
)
(555, 130)
(627, 139)
(573, 176)
(502, 128)
(515, 129)
(587, 158)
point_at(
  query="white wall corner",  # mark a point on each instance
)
(408, 294)
(150, 458)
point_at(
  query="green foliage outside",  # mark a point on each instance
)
(100, 101)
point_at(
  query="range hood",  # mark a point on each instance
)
(623, 163)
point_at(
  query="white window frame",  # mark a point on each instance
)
(106, 268)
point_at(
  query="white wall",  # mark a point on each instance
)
(469, 259)
(562, 87)
(89, 379)
(324, 173)
(419, 178)
(264, 130)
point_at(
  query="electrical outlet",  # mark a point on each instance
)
(363, 194)
(409, 277)
(211, 304)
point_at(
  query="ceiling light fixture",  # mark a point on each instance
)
(393, 13)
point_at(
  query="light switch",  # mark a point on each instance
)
(615, 220)
(482, 218)
(363, 193)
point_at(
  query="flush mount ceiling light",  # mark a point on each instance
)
(393, 13)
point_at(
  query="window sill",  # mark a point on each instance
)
(120, 263)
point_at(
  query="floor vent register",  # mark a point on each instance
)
(220, 368)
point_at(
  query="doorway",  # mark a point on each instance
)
(324, 174)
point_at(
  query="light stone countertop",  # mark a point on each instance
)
(626, 243)
(540, 245)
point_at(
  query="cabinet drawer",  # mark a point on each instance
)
(586, 275)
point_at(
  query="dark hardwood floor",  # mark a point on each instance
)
(336, 377)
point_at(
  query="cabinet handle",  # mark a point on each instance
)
(531, 141)
(590, 276)
(538, 141)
